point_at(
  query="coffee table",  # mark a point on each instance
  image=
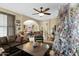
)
(38, 51)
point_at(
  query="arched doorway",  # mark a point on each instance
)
(31, 25)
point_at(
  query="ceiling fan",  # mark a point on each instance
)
(42, 11)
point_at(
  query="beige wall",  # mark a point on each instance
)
(53, 22)
(47, 26)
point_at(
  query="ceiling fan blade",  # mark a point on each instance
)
(46, 9)
(47, 13)
(36, 10)
(35, 13)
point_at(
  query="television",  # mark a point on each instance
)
(38, 38)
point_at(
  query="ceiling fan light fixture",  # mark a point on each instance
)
(41, 14)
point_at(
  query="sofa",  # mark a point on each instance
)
(4, 43)
(10, 41)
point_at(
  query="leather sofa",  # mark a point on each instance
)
(10, 41)
(4, 43)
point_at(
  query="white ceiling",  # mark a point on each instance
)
(27, 9)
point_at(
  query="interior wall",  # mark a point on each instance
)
(48, 25)
(52, 23)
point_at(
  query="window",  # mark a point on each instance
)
(6, 25)
(3, 25)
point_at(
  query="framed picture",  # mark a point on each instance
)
(18, 21)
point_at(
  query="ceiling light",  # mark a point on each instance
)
(41, 14)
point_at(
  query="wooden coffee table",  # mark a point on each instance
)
(38, 51)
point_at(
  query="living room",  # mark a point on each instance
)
(38, 29)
